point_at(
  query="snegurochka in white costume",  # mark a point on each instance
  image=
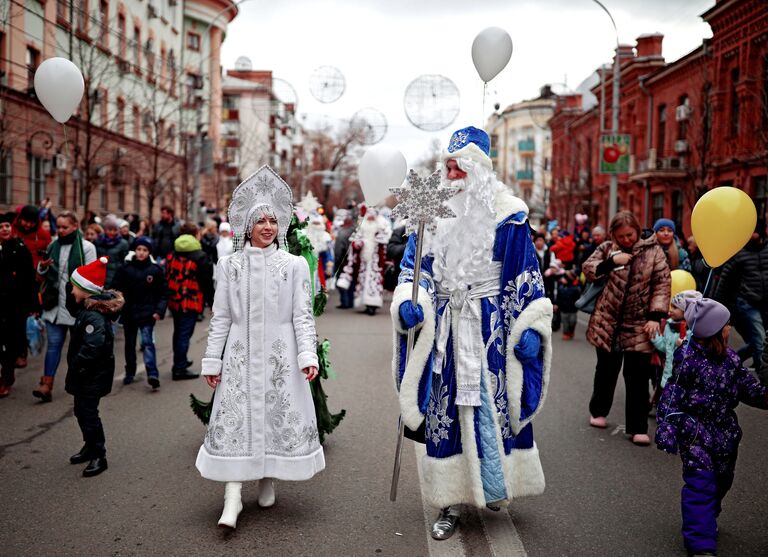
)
(261, 353)
(479, 369)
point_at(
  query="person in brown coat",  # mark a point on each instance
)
(627, 315)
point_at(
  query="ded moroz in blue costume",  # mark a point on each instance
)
(479, 369)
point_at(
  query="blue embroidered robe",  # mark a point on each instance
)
(479, 454)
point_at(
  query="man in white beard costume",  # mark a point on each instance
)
(321, 244)
(364, 268)
(479, 370)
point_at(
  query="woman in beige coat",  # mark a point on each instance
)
(627, 315)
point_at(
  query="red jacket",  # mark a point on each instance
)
(564, 249)
(36, 241)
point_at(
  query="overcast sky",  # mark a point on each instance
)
(380, 46)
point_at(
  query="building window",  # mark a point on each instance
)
(193, 41)
(6, 177)
(104, 23)
(194, 83)
(761, 196)
(682, 124)
(137, 196)
(62, 183)
(36, 180)
(137, 46)
(122, 30)
(33, 60)
(677, 210)
(734, 102)
(136, 123)
(120, 120)
(82, 16)
(172, 71)
(150, 54)
(662, 127)
(62, 11)
(657, 207)
(120, 197)
(103, 196)
(163, 65)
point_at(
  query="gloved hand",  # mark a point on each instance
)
(411, 315)
(528, 346)
(666, 438)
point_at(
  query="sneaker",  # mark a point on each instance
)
(599, 422)
(153, 381)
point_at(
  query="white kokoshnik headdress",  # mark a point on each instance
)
(263, 191)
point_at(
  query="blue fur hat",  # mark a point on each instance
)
(663, 222)
(471, 143)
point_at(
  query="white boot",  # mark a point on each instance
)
(232, 504)
(266, 492)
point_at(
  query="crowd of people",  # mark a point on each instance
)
(491, 293)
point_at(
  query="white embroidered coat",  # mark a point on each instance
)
(262, 334)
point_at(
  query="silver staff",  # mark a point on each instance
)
(421, 202)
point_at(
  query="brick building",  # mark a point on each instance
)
(152, 76)
(695, 123)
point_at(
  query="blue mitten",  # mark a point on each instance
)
(529, 346)
(411, 315)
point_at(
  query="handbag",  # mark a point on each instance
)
(588, 298)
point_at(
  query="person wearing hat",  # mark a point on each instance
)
(677, 257)
(144, 288)
(224, 246)
(675, 331)
(64, 255)
(697, 419)
(112, 246)
(91, 358)
(27, 229)
(18, 299)
(485, 328)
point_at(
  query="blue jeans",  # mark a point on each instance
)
(753, 321)
(57, 334)
(347, 297)
(147, 346)
(183, 327)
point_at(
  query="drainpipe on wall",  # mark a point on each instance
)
(648, 142)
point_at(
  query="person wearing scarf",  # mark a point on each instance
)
(64, 255)
(112, 245)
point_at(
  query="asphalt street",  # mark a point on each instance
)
(604, 495)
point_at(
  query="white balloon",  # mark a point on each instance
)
(59, 86)
(491, 51)
(382, 167)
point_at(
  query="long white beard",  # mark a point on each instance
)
(463, 246)
(318, 237)
(368, 230)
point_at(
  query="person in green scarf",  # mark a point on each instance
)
(65, 254)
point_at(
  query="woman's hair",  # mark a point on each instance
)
(69, 215)
(716, 346)
(673, 255)
(96, 228)
(624, 218)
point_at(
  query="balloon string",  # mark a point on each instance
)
(485, 89)
(709, 277)
(66, 141)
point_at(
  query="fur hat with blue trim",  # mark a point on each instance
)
(471, 143)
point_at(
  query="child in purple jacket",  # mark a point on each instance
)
(696, 417)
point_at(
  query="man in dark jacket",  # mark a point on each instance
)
(743, 287)
(18, 298)
(340, 249)
(142, 283)
(164, 233)
(189, 273)
(91, 358)
(113, 246)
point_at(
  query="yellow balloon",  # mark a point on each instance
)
(682, 280)
(723, 221)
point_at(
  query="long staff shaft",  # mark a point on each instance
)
(409, 348)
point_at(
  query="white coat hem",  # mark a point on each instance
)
(244, 469)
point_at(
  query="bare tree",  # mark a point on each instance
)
(430, 160)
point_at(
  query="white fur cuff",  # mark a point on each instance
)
(211, 366)
(307, 359)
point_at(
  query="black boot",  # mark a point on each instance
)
(82, 456)
(95, 467)
(184, 374)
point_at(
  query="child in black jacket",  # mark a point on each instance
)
(568, 291)
(143, 285)
(91, 357)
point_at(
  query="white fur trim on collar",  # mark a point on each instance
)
(507, 204)
(469, 151)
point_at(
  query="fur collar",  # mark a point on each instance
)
(507, 204)
(109, 302)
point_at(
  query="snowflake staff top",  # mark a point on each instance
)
(422, 201)
(262, 188)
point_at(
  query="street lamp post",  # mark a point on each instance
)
(614, 187)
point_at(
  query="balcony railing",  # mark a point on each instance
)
(525, 174)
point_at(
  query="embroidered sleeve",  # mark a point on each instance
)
(303, 320)
(218, 330)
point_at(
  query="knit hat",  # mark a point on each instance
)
(30, 213)
(706, 317)
(681, 299)
(110, 222)
(91, 277)
(663, 222)
(143, 241)
(471, 143)
(10, 216)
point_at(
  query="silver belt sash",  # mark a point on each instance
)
(463, 316)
